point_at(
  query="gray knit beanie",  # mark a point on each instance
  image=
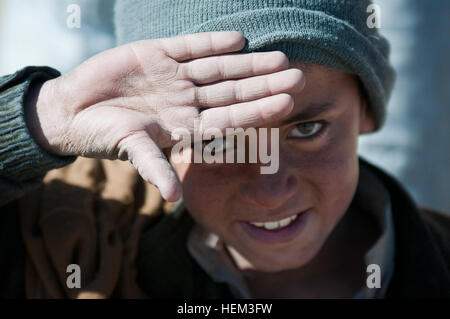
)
(332, 33)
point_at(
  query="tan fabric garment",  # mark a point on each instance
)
(90, 213)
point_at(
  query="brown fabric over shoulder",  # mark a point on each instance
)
(90, 213)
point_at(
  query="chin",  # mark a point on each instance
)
(278, 263)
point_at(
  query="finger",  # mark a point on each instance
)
(152, 165)
(198, 45)
(234, 66)
(250, 114)
(239, 91)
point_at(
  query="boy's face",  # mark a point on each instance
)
(316, 180)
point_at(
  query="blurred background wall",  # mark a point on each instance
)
(34, 32)
(415, 143)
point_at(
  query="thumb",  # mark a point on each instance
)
(152, 164)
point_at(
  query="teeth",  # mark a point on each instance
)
(272, 225)
(285, 222)
(276, 224)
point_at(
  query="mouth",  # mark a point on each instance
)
(277, 231)
(278, 224)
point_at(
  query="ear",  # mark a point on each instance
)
(366, 121)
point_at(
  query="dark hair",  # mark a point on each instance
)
(364, 98)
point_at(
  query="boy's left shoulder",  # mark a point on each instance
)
(423, 228)
(439, 224)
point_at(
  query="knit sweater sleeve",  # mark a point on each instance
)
(23, 164)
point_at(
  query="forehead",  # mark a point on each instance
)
(326, 83)
(323, 73)
(326, 90)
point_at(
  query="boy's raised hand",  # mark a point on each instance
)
(125, 102)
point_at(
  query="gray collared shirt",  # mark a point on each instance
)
(210, 253)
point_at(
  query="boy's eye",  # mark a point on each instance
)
(218, 145)
(304, 130)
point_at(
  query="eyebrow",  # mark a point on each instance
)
(312, 110)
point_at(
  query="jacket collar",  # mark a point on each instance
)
(420, 269)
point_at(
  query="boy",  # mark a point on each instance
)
(313, 229)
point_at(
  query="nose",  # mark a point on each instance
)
(269, 191)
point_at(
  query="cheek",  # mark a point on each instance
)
(337, 173)
(337, 179)
(208, 191)
(331, 172)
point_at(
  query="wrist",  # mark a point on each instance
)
(38, 115)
